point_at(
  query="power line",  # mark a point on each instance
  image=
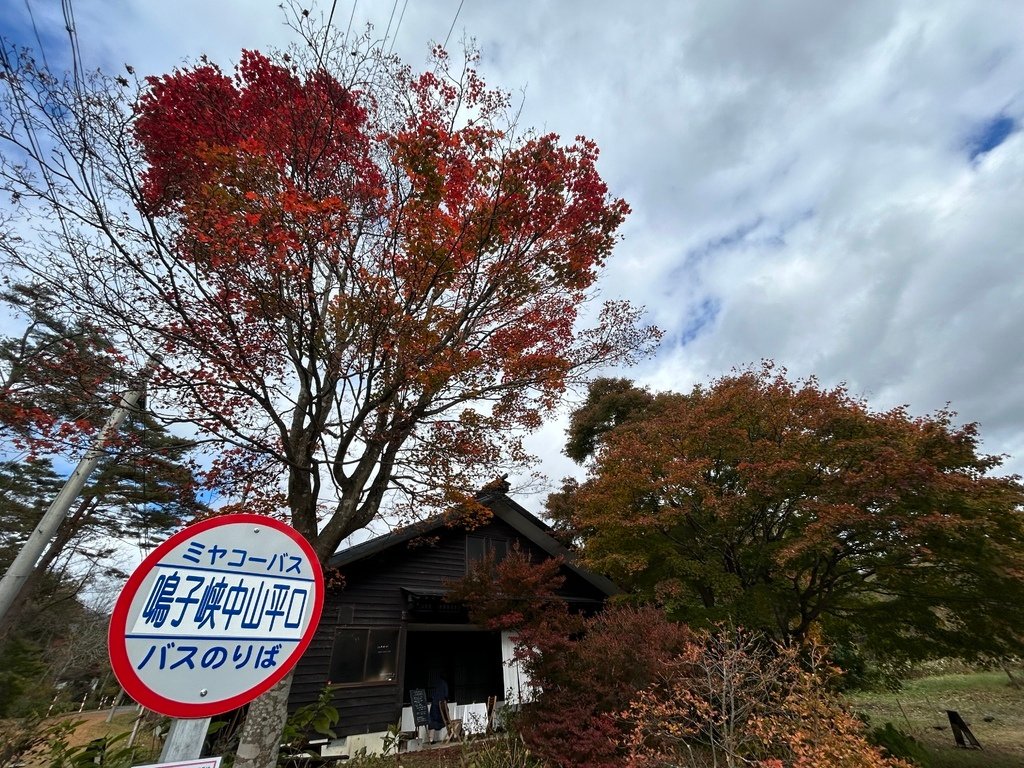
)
(398, 26)
(35, 30)
(394, 7)
(76, 55)
(23, 114)
(344, 45)
(327, 31)
(457, 12)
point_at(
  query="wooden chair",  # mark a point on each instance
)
(492, 702)
(453, 727)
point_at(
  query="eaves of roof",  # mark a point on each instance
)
(502, 507)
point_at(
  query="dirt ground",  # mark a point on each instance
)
(92, 725)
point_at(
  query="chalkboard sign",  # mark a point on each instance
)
(418, 699)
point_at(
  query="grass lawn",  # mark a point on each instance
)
(993, 710)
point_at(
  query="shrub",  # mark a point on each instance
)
(732, 698)
(586, 670)
(586, 680)
(901, 744)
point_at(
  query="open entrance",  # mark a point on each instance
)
(470, 661)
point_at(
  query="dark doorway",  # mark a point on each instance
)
(470, 662)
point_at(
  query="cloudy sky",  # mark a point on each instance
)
(834, 185)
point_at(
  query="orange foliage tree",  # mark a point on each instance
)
(731, 699)
(364, 284)
(787, 507)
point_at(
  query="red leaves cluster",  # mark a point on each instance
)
(585, 669)
(516, 594)
(260, 171)
(267, 151)
(198, 126)
(276, 179)
(390, 264)
(57, 387)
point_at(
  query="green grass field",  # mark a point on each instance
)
(990, 706)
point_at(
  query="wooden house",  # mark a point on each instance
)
(388, 630)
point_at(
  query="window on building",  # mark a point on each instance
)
(364, 656)
(478, 547)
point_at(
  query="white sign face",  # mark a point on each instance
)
(216, 615)
(206, 762)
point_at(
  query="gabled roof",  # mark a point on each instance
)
(528, 525)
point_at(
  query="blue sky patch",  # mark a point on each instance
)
(758, 232)
(36, 26)
(728, 240)
(698, 318)
(989, 135)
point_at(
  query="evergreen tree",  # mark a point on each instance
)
(59, 380)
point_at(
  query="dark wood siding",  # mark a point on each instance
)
(373, 596)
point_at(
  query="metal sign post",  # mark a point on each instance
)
(213, 617)
(210, 762)
(185, 739)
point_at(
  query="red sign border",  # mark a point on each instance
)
(117, 642)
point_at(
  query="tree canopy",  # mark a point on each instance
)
(57, 375)
(796, 509)
(59, 380)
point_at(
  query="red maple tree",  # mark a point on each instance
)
(364, 283)
(347, 280)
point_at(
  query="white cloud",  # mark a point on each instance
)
(799, 172)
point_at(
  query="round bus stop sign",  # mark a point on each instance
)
(215, 616)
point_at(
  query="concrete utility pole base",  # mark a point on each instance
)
(185, 740)
(19, 570)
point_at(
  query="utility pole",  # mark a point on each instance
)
(25, 562)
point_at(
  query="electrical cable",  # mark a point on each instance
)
(76, 54)
(398, 26)
(327, 32)
(35, 31)
(394, 7)
(457, 12)
(344, 45)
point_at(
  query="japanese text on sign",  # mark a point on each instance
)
(198, 602)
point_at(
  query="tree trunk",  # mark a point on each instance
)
(1014, 681)
(264, 722)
